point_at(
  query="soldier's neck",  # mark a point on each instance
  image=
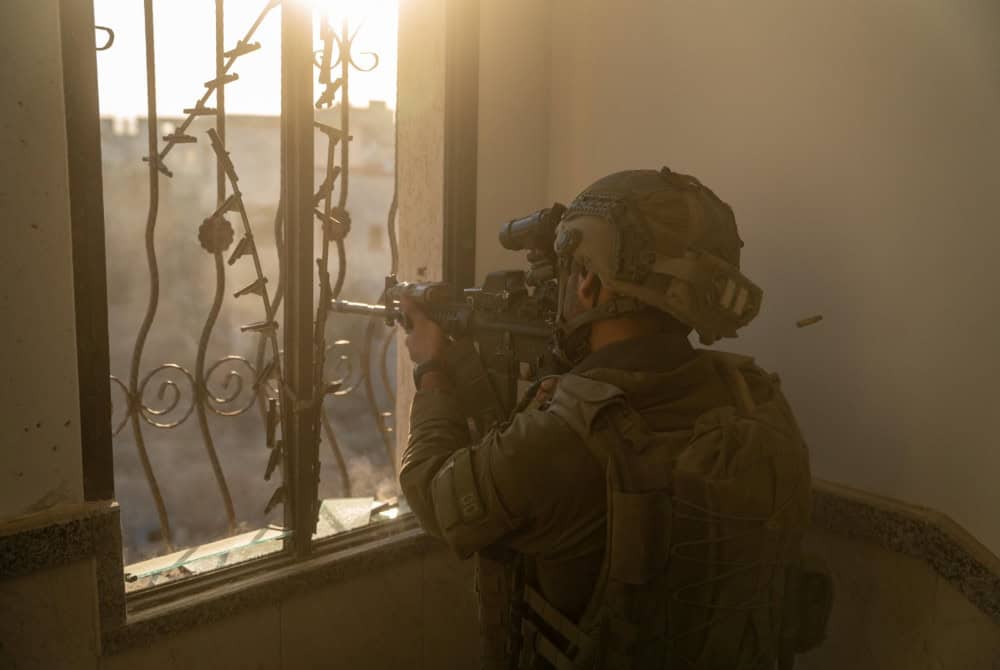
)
(610, 331)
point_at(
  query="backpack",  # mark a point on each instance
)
(702, 565)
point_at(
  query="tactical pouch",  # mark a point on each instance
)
(640, 537)
(807, 606)
(696, 520)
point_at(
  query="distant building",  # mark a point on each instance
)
(188, 282)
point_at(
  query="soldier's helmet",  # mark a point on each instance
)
(666, 241)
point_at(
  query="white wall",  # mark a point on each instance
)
(420, 147)
(859, 144)
(40, 463)
(513, 150)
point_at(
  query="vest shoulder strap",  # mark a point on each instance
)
(578, 401)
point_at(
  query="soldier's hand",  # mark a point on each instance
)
(546, 390)
(426, 340)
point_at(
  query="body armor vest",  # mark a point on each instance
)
(701, 565)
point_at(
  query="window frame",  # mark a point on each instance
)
(298, 406)
(461, 29)
(86, 191)
(461, 133)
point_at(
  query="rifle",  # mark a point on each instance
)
(501, 332)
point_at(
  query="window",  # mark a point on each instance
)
(225, 393)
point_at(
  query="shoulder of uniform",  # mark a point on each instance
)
(729, 358)
(578, 400)
(745, 364)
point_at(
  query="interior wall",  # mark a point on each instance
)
(512, 153)
(420, 166)
(419, 613)
(894, 611)
(39, 401)
(50, 619)
(858, 144)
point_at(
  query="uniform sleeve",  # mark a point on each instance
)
(517, 485)
(437, 431)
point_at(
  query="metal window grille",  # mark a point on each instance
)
(288, 382)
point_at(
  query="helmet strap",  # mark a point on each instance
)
(615, 308)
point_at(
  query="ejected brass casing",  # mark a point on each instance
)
(802, 323)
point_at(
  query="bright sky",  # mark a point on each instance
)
(185, 54)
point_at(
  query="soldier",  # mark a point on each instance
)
(646, 510)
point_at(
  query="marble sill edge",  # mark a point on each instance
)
(64, 513)
(92, 529)
(915, 531)
(65, 534)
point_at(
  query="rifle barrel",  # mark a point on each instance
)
(361, 308)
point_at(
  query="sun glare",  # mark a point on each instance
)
(185, 53)
(357, 11)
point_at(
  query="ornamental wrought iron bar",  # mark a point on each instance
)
(334, 227)
(215, 235)
(134, 391)
(243, 47)
(289, 388)
(336, 224)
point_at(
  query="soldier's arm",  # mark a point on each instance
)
(517, 484)
(523, 486)
(437, 426)
(437, 430)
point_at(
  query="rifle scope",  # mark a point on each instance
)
(536, 231)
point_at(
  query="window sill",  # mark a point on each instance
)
(337, 517)
(181, 606)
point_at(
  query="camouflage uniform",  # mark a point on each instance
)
(533, 491)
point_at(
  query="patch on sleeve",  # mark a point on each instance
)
(456, 496)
